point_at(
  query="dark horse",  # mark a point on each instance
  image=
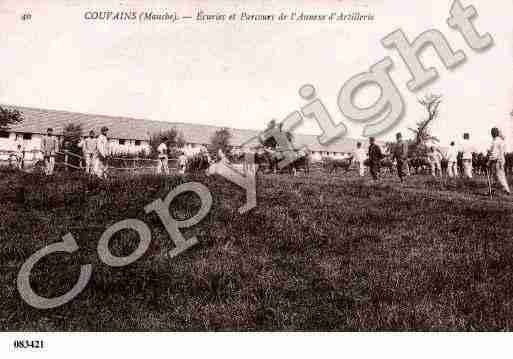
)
(332, 165)
(272, 158)
(419, 165)
(198, 162)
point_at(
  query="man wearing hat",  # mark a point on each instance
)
(18, 156)
(497, 159)
(400, 154)
(49, 147)
(182, 163)
(89, 150)
(375, 157)
(467, 150)
(102, 150)
(162, 164)
(452, 159)
(435, 162)
(360, 156)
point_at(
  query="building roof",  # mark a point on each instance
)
(38, 120)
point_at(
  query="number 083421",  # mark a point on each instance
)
(28, 344)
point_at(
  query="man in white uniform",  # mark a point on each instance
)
(162, 164)
(467, 149)
(435, 161)
(88, 146)
(102, 150)
(452, 161)
(359, 156)
(221, 156)
(18, 156)
(49, 147)
(497, 159)
(182, 163)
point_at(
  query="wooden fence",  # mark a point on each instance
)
(69, 160)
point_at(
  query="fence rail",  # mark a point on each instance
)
(75, 161)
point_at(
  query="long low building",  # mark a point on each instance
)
(131, 135)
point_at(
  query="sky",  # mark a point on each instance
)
(243, 74)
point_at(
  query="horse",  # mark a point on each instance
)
(273, 158)
(331, 165)
(197, 162)
(387, 164)
(419, 164)
(508, 166)
(480, 163)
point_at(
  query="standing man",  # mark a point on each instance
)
(102, 150)
(221, 156)
(18, 156)
(182, 163)
(497, 159)
(162, 164)
(467, 150)
(89, 151)
(435, 161)
(359, 157)
(49, 147)
(400, 154)
(452, 161)
(375, 157)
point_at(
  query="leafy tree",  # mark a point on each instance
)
(271, 142)
(72, 135)
(174, 140)
(9, 117)
(220, 140)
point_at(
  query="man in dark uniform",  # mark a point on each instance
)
(375, 157)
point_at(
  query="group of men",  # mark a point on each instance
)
(95, 150)
(399, 154)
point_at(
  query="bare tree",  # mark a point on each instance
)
(422, 133)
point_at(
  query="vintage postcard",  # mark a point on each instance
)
(284, 168)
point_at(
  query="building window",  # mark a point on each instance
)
(4, 134)
(27, 136)
(122, 142)
(137, 142)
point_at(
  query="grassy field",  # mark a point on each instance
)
(318, 253)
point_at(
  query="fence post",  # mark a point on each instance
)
(66, 160)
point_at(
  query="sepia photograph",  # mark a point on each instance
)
(304, 172)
